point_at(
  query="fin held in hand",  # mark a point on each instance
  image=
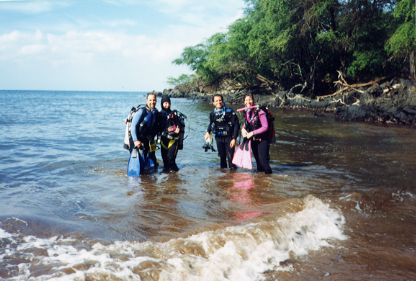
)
(247, 162)
(135, 163)
(209, 144)
(238, 155)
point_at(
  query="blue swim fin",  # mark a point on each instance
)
(247, 162)
(134, 166)
(149, 161)
(238, 155)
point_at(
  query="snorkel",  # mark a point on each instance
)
(247, 108)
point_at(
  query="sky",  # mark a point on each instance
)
(104, 45)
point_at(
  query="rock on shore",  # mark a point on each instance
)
(385, 103)
(393, 102)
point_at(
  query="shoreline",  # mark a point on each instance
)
(393, 102)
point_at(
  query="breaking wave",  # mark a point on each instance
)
(243, 252)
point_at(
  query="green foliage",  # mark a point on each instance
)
(405, 9)
(402, 42)
(183, 79)
(195, 57)
(302, 41)
(369, 57)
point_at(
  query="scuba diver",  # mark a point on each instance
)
(171, 131)
(223, 122)
(256, 128)
(143, 130)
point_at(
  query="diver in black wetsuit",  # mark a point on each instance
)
(171, 131)
(223, 122)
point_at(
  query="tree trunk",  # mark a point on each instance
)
(412, 65)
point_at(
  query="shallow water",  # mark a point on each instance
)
(339, 205)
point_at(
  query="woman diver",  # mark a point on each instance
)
(171, 131)
(256, 128)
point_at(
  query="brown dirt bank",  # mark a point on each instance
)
(393, 102)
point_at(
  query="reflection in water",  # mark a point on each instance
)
(240, 193)
(156, 211)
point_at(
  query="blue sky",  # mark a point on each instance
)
(103, 45)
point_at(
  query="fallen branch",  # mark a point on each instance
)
(347, 87)
(297, 86)
(338, 101)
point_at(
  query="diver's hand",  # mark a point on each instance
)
(249, 135)
(232, 143)
(244, 133)
(177, 130)
(137, 144)
(206, 136)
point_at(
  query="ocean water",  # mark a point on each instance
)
(340, 204)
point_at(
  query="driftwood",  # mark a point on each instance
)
(346, 87)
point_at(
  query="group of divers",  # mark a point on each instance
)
(146, 124)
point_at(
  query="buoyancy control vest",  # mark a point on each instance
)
(254, 123)
(170, 120)
(222, 122)
(146, 127)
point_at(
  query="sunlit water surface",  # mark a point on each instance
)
(340, 203)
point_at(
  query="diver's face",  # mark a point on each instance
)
(248, 101)
(166, 105)
(151, 101)
(218, 102)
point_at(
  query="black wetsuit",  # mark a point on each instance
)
(224, 124)
(170, 141)
(260, 143)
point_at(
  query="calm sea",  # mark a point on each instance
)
(340, 204)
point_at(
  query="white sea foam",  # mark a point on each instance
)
(408, 193)
(240, 253)
(4, 234)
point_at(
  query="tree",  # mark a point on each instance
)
(402, 43)
(287, 43)
(182, 79)
(195, 57)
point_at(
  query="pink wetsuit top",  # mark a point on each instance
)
(263, 121)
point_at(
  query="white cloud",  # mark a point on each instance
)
(97, 43)
(116, 23)
(33, 49)
(120, 2)
(31, 7)
(79, 54)
(113, 56)
(9, 38)
(199, 13)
